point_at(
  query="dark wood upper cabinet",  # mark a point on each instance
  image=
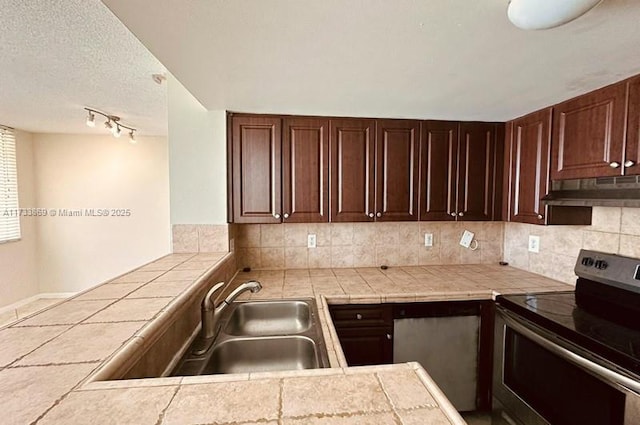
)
(438, 179)
(528, 145)
(589, 134)
(352, 169)
(305, 170)
(477, 171)
(256, 152)
(632, 157)
(397, 145)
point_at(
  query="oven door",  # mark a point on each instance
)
(541, 379)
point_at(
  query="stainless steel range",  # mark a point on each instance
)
(569, 358)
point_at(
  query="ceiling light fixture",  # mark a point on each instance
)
(112, 124)
(545, 14)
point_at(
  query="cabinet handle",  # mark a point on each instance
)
(453, 214)
(614, 164)
(276, 215)
(370, 215)
(359, 316)
(379, 214)
(460, 214)
(540, 216)
(629, 164)
(389, 337)
(286, 215)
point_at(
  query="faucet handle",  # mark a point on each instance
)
(207, 302)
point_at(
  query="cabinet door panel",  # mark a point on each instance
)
(257, 161)
(352, 170)
(476, 179)
(530, 166)
(588, 134)
(367, 346)
(397, 170)
(438, 168)
(305, 170)
(633, 129)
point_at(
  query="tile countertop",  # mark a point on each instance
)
(46, 358)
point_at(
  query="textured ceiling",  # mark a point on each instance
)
(457, 59)
(58, 56)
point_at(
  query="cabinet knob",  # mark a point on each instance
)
(370, 215)
(453, 214)
(286, 215)
(389, 337)
(629, 164)
(276, 215)
(460, 214)
(540, 216)
(379, 214)
(359, 316)
(614, 164)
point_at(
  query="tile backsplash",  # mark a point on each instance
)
(613, 230)
(200, 237)
(277, 246)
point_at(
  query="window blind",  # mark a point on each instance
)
(9, 212)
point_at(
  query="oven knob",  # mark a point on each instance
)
(601, 265)
(587, 261)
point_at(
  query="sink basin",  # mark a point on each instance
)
(260, 336)
(264, 318)
(242, 355)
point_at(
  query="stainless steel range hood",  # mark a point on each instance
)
(621, 191)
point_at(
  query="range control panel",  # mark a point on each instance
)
(611, 269)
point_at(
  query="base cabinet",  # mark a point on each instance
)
(365, 333)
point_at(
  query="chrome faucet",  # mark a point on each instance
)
(210, 313)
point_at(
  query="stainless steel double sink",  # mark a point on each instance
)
(260, 336)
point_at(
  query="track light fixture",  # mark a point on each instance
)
(112, 124)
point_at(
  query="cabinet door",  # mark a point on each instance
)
(352, 170)
(305, 170)
(438, 170)
(397, 170)
(588, 135)
(632, 157)
(256, 146)
(366, 346)
(476, 175)
(529, 149)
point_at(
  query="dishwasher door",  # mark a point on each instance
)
(447, 348)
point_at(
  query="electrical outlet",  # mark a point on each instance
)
(311, 240)
(534, 243)
(466, 239)
(428, 239)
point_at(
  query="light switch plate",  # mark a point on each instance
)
(428, 239)
(466, 239)
(232, 245)
(311, 240)
(534, 243)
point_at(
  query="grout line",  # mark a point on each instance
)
(164, 411)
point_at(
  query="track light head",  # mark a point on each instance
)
(108, 125)
(132, 138)
(116, 131)
(91, 119)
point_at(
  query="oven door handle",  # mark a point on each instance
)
(590, 366)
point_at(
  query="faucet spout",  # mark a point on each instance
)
(211, 313)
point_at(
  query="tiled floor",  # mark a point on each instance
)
(477, 418)
(27, 309)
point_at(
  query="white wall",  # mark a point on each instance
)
(18, 273)
(84, 171)
(197, 159)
